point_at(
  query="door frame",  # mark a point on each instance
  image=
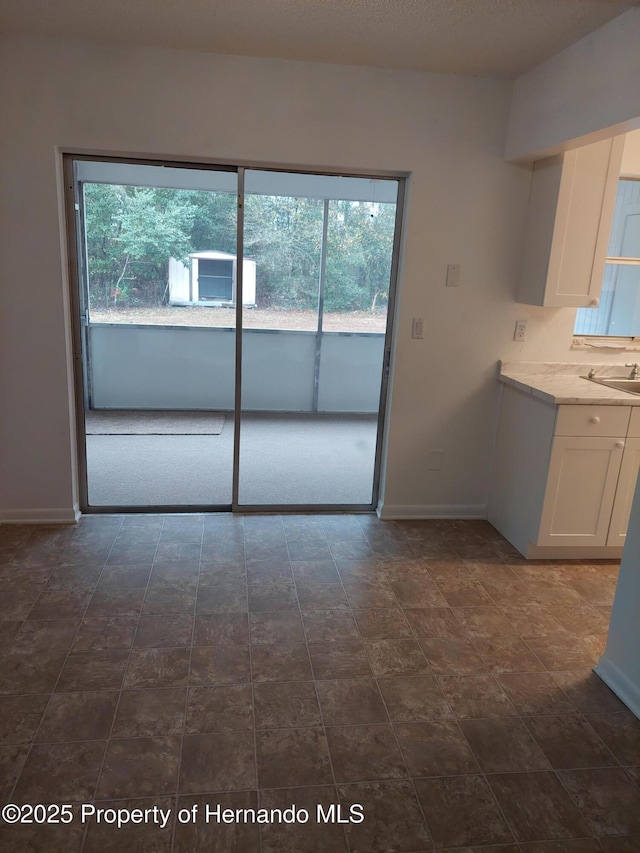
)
(81, 346)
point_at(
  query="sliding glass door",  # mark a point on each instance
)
(233, 331)
(315, 341)
(157, 269)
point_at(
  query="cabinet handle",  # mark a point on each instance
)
(619, 444)
(594, 420)
(595, 302)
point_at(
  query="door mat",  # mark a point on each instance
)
(121, 422)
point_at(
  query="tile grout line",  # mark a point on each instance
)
(52, 692)
(399, 748)
(456, 721)
(482, 772)
(484, 775)
(552, 769)
(253, 697)
(176, 798)
(545, 670)
(315, 685)
(82, 618)
(384, 557)
(124, 675)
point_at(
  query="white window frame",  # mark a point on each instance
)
(615, 342)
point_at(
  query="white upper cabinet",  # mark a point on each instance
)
(570, 213)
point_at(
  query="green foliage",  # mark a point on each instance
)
(284, 236)
(359, 250)
(214, 223)
(132, 232)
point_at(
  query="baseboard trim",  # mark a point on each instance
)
(388, 512)
(620, 683)
(571, 552)
(69, 515)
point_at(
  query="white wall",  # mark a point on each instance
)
(591, 85)
(465, 205)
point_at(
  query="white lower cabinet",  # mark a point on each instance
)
(627, 480)
(581, 490)
(564, 476)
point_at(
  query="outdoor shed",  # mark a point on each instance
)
(210, 279)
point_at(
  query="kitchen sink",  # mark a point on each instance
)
(631, 386)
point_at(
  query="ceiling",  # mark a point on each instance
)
(498, 38)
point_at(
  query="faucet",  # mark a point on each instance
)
(634, 370)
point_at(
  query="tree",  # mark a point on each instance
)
(284, 235)
(359, 251)
(131, 233)
(215, 220)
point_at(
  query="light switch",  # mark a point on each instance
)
(453, 275)
(417, 328)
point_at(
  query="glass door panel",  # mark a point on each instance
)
(315, 338)
(157, 268)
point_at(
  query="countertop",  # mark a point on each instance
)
(562, 384)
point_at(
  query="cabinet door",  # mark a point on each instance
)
(581, 485)
(624, 493)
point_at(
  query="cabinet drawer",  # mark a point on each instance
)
(593, 420)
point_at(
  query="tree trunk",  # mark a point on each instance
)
(116, 288)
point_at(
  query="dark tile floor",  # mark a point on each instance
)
(421, 670)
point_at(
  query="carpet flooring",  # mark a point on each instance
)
(121, 422)
(284, 459)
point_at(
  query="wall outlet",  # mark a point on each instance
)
(520, 333)
(417, 328)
